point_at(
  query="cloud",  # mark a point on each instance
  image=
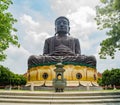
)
(103, 64)
(63, 7)
(28, 21)
(35, 35)
(17, 59)
(82, 20)
(83, 25)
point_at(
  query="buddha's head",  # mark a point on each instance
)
(62, 25)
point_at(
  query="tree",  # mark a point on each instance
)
(106, 77)
(108, 17)
(9, 78)
(5, 76)
(115, 77)
(100, 82)
(7, 31)
(19, 80)
(110, 77)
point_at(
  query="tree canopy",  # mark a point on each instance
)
(7, 31)
(5, 75)
(108, 17)
(110, 77)
(9, 78)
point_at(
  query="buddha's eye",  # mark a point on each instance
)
(62, 22)
(59, 22)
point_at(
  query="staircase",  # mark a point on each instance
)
(65, 98)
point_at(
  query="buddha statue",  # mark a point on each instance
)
(61, 47)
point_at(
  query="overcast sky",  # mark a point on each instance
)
(36, 23)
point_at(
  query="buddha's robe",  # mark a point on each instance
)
(64, 48)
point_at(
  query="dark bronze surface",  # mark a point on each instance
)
(61, 46)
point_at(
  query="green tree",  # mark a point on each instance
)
(108, 17)
(23, 80)
(7, 31)
(5, 76)
(110, 77)
(9, 78)
(115, 77)
(100, 82)
(19, 80)
(106, 77)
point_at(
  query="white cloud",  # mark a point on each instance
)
(82, 19)
(17, 59)
(34, 37)
(35, 42)
(63, 7)
(103, 64)
(28, 21)
(83, 24)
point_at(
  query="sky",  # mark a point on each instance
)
(36, 23)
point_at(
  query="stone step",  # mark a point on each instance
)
(68, 94)
(60, 97)
(59, 104)
(84, 101)
(65, 98)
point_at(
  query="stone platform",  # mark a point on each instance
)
(68, 88)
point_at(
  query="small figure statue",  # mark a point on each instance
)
(61, 45)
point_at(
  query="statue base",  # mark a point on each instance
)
(75, 75)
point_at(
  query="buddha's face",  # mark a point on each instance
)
(62, 26)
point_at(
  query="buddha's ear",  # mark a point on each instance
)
(69, 31)
(55, 30)
(69, 28)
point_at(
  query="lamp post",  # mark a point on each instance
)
(59, 82)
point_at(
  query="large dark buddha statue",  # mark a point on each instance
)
(61, 46)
